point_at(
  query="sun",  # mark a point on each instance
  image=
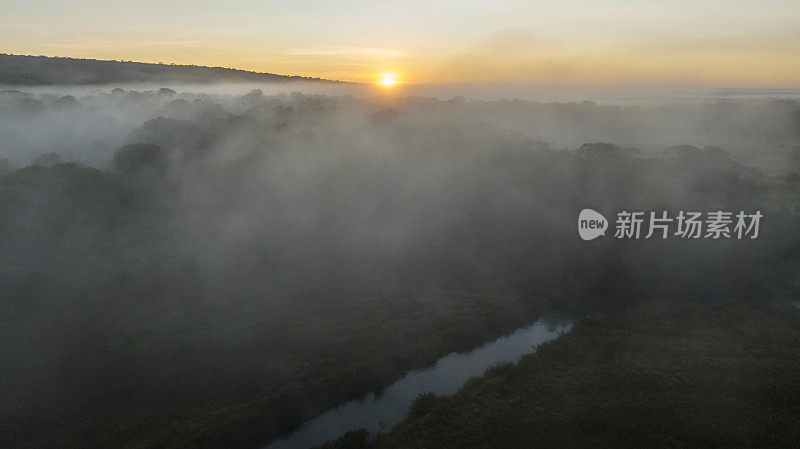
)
(387, 79)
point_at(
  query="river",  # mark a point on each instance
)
(445, 377)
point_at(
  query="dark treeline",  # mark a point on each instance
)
(20, 70)
(228, 249)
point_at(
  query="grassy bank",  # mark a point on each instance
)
(655, 376)
(287, 366)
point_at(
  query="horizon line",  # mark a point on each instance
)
(643, 84)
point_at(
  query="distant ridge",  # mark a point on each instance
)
(19, 70)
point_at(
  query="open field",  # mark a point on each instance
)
(658, 376)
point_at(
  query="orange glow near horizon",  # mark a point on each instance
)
(387, 79)
(390, 44)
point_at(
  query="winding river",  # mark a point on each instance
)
(451, 372)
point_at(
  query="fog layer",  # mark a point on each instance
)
(161, 248)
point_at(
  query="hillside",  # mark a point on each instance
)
(17, 70)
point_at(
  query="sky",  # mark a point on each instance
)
(733, 43)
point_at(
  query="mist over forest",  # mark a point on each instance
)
(209, 270)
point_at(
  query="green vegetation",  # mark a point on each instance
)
(657, 376)
(240, 264)
(255, 372)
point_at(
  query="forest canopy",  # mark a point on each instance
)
(211, 270)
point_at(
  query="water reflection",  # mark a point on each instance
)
(448, 375)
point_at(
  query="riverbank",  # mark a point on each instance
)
(661, 375)
(379, 412)
(289, 366)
